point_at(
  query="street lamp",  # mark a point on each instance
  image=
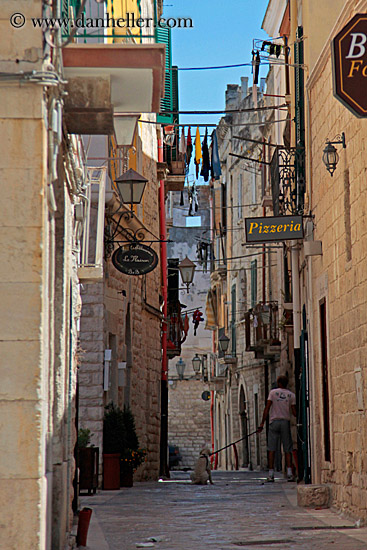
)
(330, 155)
(196, 363)
(223, 343)
(130, 187)
(180, 366)
(187, 269)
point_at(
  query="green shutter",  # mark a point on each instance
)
(163, 36)
(233, 323)
(299, 119)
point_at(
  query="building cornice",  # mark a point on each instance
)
(273, 17)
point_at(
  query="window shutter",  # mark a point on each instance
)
(233, 323)
(163, 36)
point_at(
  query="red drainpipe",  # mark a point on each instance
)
(163, 459)
(163, 237)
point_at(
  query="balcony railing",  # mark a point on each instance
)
(287, 180)
(91, 17)
(262, 329)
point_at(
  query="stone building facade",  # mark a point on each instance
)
(42, 182)
(338, 289)
(122, 314)
(332, 269)
(189, 416)
(247, 280)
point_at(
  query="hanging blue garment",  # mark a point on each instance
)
(215, 164)
(205, 168)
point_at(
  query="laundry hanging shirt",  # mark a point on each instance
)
(281, 400)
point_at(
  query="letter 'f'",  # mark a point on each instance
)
(354, 44)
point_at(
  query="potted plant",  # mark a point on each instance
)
(113, 444)
(88, 462)
(132, 456)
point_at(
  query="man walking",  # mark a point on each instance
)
(281, 402)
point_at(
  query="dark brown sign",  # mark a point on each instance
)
(350, 65)
(137, 259)
(279, 228)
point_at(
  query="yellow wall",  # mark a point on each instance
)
(119, 9)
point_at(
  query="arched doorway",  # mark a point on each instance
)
(244, 460)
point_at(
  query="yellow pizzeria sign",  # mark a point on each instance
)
(280, 228)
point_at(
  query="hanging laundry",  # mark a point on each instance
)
(206, 160)
(196, 319)
(189, 192)
(186, 325)
(188, 150)
(182, 144)
(198, 154)
(195, 198)
(215, 164)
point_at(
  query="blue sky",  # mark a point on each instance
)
(222, 35)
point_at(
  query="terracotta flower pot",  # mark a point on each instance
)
(83, 526)
(126, 477)
(111, 471)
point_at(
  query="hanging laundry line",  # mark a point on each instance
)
(211, 125)
(283, 106)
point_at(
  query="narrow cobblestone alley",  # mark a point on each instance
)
(239, 510)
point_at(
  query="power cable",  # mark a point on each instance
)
(211, 125)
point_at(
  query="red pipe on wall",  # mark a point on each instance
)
(163, 237)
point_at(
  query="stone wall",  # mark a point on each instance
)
(188, 419)
(340, 278)
(122, 314)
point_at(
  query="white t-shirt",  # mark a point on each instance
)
(281, 399)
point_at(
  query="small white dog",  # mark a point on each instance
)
(202, 472)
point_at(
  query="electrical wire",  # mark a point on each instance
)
(211, 125)
(226, 111)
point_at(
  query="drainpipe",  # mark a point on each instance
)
(296, 344)
(163, 468)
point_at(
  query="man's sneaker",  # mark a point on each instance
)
(290, 478)
(270, 479)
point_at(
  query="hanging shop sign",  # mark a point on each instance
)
(137, 259)
(280, 228)
(349, 54)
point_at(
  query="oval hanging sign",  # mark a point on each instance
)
(138, 259)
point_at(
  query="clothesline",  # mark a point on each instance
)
(227, 111)
(203, 125)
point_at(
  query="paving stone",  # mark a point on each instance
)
(239, 511)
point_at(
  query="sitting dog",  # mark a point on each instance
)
(202, 472)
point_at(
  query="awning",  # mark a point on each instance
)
(211, 321)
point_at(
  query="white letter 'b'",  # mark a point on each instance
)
(354, 44)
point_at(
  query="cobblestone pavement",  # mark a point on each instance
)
(238, 511)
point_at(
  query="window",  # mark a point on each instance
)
(253, 283)
(193, 221)
(239, 196)
(253, 197)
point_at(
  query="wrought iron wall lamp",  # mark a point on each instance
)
(330, 155)
(130, 187)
